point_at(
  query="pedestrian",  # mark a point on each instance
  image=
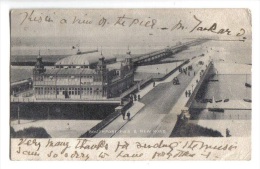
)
(123, 114)
(135, 97)
(128, 115)
(227, 132)
(153, 83)
(131, 97)
(139, 97)
(186, 93)
(68, 126)
(194, 73)
(189, 93)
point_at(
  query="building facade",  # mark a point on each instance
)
(82, 77)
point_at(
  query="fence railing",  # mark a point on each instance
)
(196, 89)
(33, 99)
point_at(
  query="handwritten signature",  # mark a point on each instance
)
(126, 21)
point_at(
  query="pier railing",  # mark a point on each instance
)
(33, 99)
(199, 83)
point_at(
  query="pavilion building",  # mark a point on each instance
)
(83, 76)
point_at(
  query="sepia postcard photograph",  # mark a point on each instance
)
(138, 84)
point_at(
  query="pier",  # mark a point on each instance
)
(160, 100)
(160, 104)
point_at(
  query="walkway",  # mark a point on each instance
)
(158, 102)
(119, 122)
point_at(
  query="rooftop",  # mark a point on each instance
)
(83, 59)
(71, 71)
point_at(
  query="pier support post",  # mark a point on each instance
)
(48, 111)
(83, 113)
(18, 114)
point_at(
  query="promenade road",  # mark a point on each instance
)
(158, 103)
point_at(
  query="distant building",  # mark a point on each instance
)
(21, 86)
(83, 76)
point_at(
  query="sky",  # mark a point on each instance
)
(141, 26)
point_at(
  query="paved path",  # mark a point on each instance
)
(157, 106)
(158, 103)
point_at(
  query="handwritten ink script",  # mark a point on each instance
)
(190, 25)
(130, 149)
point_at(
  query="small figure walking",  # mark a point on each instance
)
(131, 97)
(227, 133)
(189, 93)
(139, 97)
(135, 97)
(68, 126)
(194, 73)
(128, 115)
(153, 83)
(186, 93)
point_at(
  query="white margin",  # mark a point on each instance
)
(4, 79)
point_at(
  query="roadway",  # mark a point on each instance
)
(158, 102)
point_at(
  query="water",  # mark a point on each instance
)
(229, 86)
(231, 51)
(233, 63)
(63, 46)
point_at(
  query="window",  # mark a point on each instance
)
(72, 91)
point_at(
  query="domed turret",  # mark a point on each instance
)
(128, 58)
(39, 67)
(101, 66)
